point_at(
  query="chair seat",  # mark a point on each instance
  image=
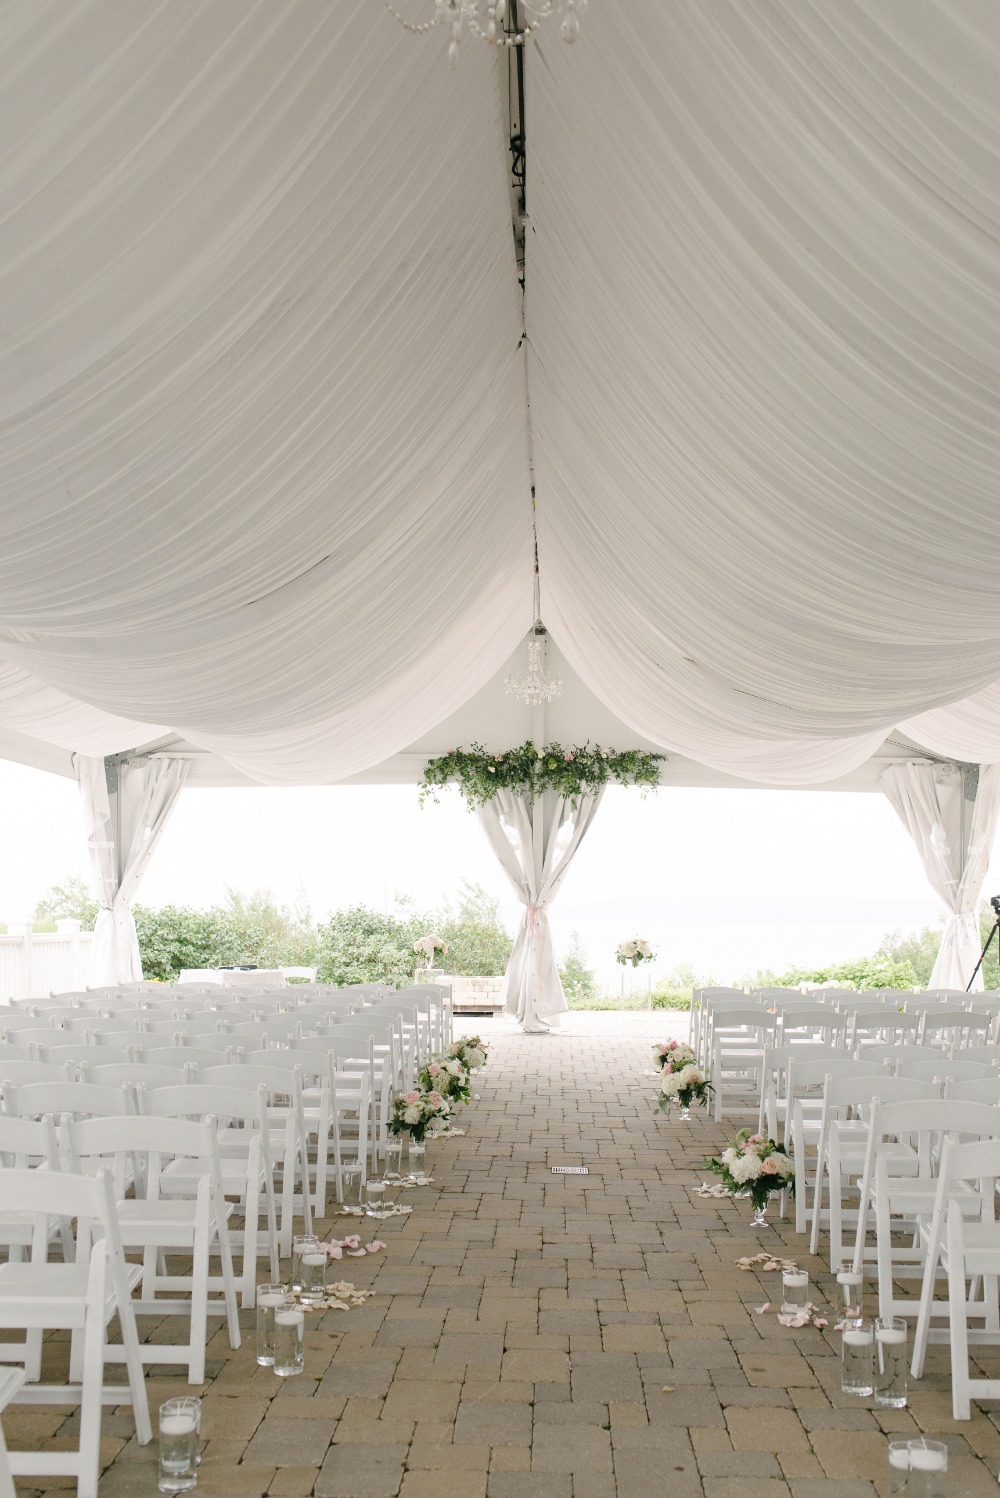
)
(51, 1294)
(982, 1246)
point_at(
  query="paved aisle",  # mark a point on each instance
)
(574, 1336)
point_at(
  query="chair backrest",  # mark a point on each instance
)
(276, 1079)
(201, 1100)
(217, 1041)
(11, 1023)
(974, 1090)
(946, 1066)
(24, 1143)
(63, 1053)
(190, 1055)
(20, 1072)
(60, 1194)
(312, 1066)
(118, 1142)
(130, 1074)
(82, 1099)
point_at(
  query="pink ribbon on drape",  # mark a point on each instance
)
(533, 913)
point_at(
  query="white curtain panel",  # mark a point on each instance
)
(535, 841)
(930, 802)
(147, 796)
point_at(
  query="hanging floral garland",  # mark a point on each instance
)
(575, 772)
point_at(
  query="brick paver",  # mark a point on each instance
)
(543, 1336)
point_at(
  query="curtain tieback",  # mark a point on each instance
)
(534, 911)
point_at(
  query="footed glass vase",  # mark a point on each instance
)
(684, 1113)
(759, 1218)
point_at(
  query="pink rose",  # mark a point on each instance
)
(769, 1167)
(569, 755)
(411, 1097)
(433, 1070)
(672, 1045)
(498, 757)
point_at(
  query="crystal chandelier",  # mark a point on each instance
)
(487, 20)
(535, 687)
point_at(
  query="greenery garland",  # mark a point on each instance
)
(575, 772)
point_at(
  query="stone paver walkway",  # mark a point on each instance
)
(543, 1336)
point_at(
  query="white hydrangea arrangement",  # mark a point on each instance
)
(635, 951)
(446, 1075)
(470, 1051)
(681, 1078)
(419, 1113)
(756, 1164)
(427, 947)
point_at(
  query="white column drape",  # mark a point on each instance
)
(535, 841)
(930, 802)
(147, 795)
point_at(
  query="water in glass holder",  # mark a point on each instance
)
(794, 1291)
(857, 1360)
(314, 1263)
(289, 1333)
(851, 1288)
(375, 1198)
(302, 1244)
(918, 1469)
(418, 1162)
(890, 1362)
(393, 1157)
(270, 1298)
(179, 1443)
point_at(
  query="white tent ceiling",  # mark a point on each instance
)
(272, 404)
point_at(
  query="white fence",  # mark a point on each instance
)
(33, 965)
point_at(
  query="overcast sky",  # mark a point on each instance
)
(725, 880)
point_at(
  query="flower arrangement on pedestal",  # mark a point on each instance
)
(527, 771)
(681, 1079)
(635, 951)
(755, 1165)
(428, 946)
(419, 1113)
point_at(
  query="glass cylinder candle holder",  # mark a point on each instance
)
(890, 1370)
(418, 1161)
(794, 1291)
(393, 1157)
(314, 1265)
(857, 1352)
(352, 1185)
(289, 1335)
(375, 1198)
(851, 1289)
(179, 1446)
(302, 1244)
(918, 1469)
(269, 1299)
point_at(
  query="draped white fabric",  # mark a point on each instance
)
(147, 795)
(930, 802)
(265, 467)
(763, 304)
(264, 431)
(535, 841)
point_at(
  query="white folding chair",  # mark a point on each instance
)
(11, 1380)
(82, 1297)
(156, 1222)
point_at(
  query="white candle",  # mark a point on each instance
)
(891, 1334)
(272, 1298)
(177, 1425)
(315, 1261)
(290, 1317)
(848, 1277)
(899, 1456)
(924, 1460)
(795, 1281)
(857, 1337)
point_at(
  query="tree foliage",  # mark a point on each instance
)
(479, 944)
(578, 981)
(72, 899)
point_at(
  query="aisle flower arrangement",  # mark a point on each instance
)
(635, 951)
(448, 1077)
(470, 1050)
(419, 1113)
(681, 1079)
(755, 1164)
(428, 946)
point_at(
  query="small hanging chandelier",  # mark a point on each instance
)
(486, 20)
(535, 687)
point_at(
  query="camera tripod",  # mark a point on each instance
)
(996, 927)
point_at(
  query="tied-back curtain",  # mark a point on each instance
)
(147, 795)
(535, 841)
(930, 802)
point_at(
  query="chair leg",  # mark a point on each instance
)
(93, 1376)
(958, 1334)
